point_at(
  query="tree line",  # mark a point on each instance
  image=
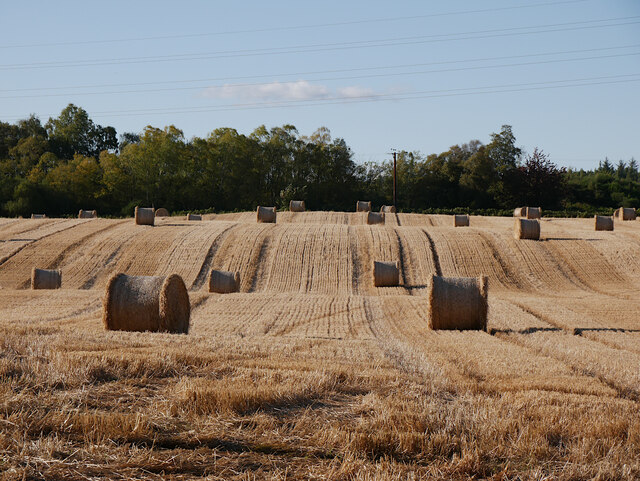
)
(72, 163)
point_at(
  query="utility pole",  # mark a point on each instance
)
(394, 178)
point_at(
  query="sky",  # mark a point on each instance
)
(411, 75)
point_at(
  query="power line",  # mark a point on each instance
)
(480, 34)
(314, 72)
(424, 94)
(294, 27)
(352, 77)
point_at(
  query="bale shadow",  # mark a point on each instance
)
(570, 239)
(528, 330)
(577, 331)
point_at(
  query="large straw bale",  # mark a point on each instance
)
(386, 274)
(458, 303)
(626, 213)
(162, 212)
(388, 209)
(374, 218)
(87, 214)
(534, 212)
(146, 303)
(144, 215)
(527, 229)
(297, 206)
(45, 278)
(266, 214)
(38, 216)
(194, 216)
(603, 222)
(520, 212)
(461, 220)
(224, 282)
(363, 206)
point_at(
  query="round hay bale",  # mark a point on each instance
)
(527, 229)
(458, 303)
(374, 218)
(146, 303)
(266, 214)
(87, 214)
(162, 212)
(461, 220)
(603, 222)
(626, 213)
(38, 216)
(224, 282)
(45, 278)
(388, 209)
(194, 217)
(534, 212)
(520, 212)
(297, 206)
(363, 206)
(386, 274)
(144, 215)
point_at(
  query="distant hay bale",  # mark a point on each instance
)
(534, 212)
(388, 209)
(461, 220)
(297, 206)
(162, 212)
(224, 282)
(87, 214)
(146, 303)
(527, 229)
(38, 216)
(194, 217)
(386, 274)
(458, 303)
(266, 214)
(603, 222)
(626, 213)
(363, 206)
(144, 215)
(45, 278)
(520, 212)
(374, 218)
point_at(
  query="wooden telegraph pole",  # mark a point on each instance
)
(394, 179)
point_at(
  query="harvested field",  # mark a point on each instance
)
(312, 372)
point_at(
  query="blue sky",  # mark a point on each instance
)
(412, 75)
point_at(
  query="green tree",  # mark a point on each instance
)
(541, 183)
(73, 132)
(158, 167)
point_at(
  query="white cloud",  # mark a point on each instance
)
(276, 91)
(355, 91)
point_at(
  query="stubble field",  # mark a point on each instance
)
(311, 372)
